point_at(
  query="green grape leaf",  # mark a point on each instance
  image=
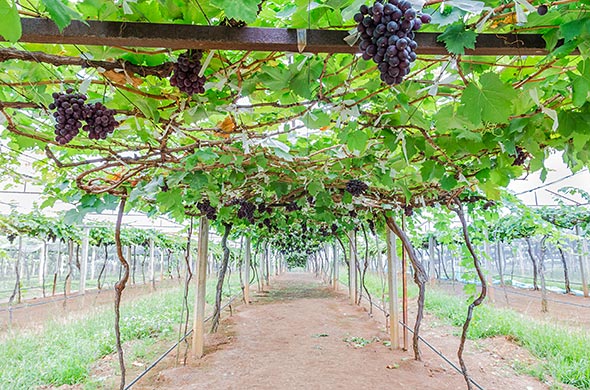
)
(10, 28)
(581, 83)
(245, 10)
(60, 13)
(490, 102)
(456, 38)
(357, 140)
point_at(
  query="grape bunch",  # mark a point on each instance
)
(69, 113)
(356, 187)
(246, 210)
(387, 36)
(208, 210)
(100, 121)
(520, 157)
(292, 206)
(186, 73)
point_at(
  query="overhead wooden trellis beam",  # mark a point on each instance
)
(179, 36)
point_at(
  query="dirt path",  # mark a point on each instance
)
(302, 335)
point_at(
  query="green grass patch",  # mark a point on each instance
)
(564, 354)
(64, 351)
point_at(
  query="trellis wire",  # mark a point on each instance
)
(176, 344)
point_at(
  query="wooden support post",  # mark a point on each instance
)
(336, 270)
(266, 268)
(392, 285)
(431, 258)
(93, 264)
(129, 254)
(247, 257)
(68, 286)
(490, 268)
(200, 290)
(84, 261)
(152, 269)
(161, 264)
(42, 262)
(582, 254)
(352, 283)
(404, 290)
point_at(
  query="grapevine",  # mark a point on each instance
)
(387, 36)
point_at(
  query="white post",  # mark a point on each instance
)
(152, 269)
(93, 263)
(392, 270)
(161, 265)
(247, 258)
(352, 282)
(335, 275)
(582, 254)
(42, 260)
(84, 261)
(200, 291)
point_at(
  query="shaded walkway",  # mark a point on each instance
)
(302, 335)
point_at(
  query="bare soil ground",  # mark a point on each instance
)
(34, 313)
(303, 335)
(568, 310)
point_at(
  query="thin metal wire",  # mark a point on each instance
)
(176, 344)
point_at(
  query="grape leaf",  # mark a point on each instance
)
(245, 10)
(490, 102)
(60, 13)
(10, 28)
(456, 38)
(581, 84)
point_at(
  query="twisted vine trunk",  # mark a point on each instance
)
(459, 211)
(566, 276)
(364, 271)
(106, 258)
(534, 261)
(185, 312)
(420, 278)
(222, 271)
(119, 287)
(16, 292)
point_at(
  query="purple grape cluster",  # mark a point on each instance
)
(208, 210)
(292, 206)
(246, 210)
(356, 187)
(186, 73)
(387, 36)
(69, 113)
(100, 121)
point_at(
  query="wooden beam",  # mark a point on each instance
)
(200, 294)
(392, 271)
(182, 36)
